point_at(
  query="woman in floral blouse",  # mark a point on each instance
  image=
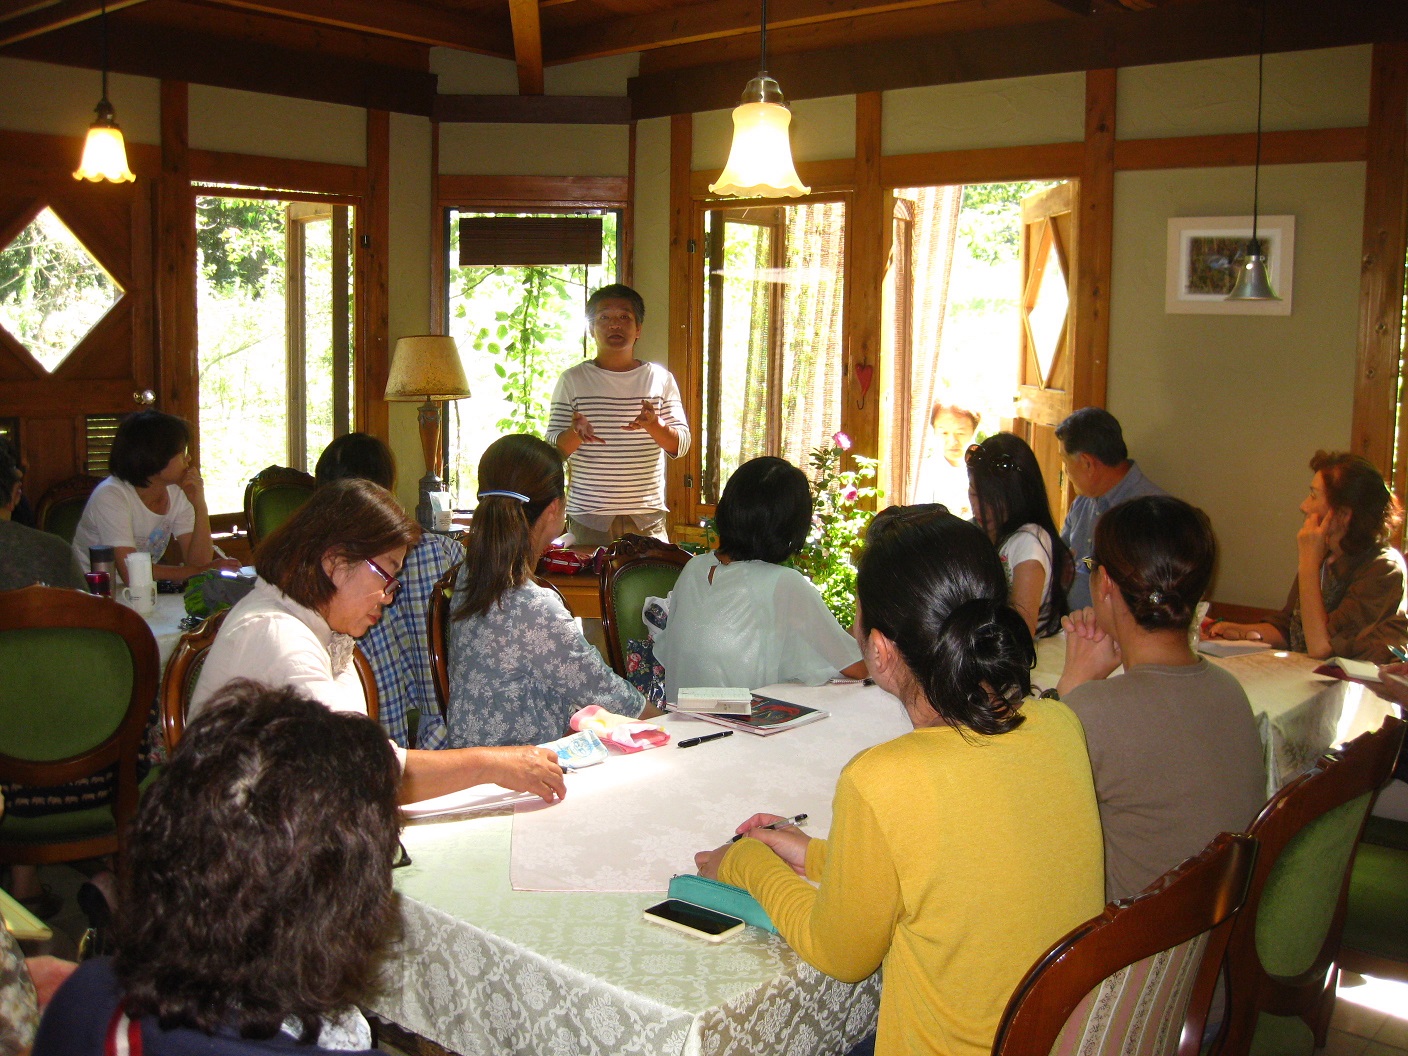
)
(519, 666)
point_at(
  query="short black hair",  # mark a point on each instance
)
(617, 291)
(359, 456)
(10, 472)
(1096, 432)
(145, 442)
(765, 511)
(256, 885)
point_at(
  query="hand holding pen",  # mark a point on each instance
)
(780, 823)
(780, 834)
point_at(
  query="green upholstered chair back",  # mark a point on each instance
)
(78, 675)
(1280, 961)
(1138, 979)
(636, 568)
(1376, 916)
(272, 496)
(62, 505)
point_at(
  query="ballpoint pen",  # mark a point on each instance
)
(1399, 653)
(690, 742)
(796, 819)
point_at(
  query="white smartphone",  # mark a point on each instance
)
(693, 920)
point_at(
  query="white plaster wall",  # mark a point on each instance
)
(276, 126)
(534, 150)
(59, 100)
(652, 235)
(1001, 113)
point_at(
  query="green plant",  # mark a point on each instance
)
(839, 521)
(520, 346)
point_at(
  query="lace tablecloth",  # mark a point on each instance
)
(1300, 715)
(482, 968)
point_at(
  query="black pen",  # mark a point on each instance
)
(692, 741)
(794, 820)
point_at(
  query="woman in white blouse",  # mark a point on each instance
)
(738, 616)
(324, 577)
(1008, 496)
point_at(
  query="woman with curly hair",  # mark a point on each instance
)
(957, 852)
(1348, 595)
(256, 891)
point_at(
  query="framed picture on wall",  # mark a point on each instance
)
(1205, 256)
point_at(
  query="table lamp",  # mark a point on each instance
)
(427, 367)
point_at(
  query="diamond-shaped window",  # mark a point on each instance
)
(52, 290)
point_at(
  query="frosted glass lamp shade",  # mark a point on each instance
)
(426, 367)
(104, 152)
(760, 160)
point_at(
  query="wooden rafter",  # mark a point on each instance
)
(712, 21)
(527, 45)
(401, 19)
(27, 18)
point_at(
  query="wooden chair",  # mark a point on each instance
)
(636, 568)
(61, 507)
(1145, 969)
(1280, 983)
(178, 682)
(271, 497)
(1376, 915)
(78, 675)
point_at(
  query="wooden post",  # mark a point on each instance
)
(682, 483)
(177, 365)
(1095, 233)
(373, 236)
(867, 248)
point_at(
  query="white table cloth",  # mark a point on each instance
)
(165, 622)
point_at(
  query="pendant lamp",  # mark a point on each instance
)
(1253, 284)
(760, 159)
(104, 153)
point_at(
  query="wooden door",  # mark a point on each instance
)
(71, 362)
(1048, 365)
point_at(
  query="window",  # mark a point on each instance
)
(518, 326)
(772, 337)
(274, 302)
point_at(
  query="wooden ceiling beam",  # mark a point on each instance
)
(527, 45)
(26, 19)
(1204, 30)
(151, 50)
(399, 19)
(700, 22)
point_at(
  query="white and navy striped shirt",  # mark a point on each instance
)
(626, 474)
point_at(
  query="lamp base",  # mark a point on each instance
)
(425, 515)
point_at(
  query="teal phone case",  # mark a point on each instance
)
(724, 898)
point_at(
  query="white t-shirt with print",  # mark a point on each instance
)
(1029, 543)
(116, 516)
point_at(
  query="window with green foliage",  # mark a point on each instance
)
(518, 328)
(274, 302)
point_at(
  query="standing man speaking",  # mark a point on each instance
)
(615, 418)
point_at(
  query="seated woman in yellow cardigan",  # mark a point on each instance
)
(959, 852)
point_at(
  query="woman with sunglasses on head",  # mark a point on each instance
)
(519, 666)
(957, 852)
(1172, 741)
(1008, 496)
(325, 575)
(1348, 595)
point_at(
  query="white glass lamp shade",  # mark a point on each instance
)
(426, 367)
(760, 160)
(104, 152)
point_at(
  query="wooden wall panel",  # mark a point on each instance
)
(682, 498)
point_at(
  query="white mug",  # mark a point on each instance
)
(139, 568)
(141, 597)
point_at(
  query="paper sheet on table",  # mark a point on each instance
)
(1221, 647)
(466, 801)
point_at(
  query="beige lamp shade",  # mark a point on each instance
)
(104, 153)
(426, 367)
(760, 159)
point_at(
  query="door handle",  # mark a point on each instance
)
(145, 398)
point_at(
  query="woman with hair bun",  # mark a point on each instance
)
(519, 666)
(1173, 742)
(960, 851)
(1348, 595)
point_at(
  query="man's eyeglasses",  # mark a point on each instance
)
(978, 455)
(391, 585)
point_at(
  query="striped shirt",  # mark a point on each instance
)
(626, 474)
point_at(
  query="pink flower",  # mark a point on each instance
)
(841, 440)
(849, 493)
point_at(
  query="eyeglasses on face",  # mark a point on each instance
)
(978, 455)
(391, 586)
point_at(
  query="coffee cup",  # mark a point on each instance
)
(141, 596)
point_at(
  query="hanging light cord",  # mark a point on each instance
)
(103, 18)
(764, 32)
(1256, 171)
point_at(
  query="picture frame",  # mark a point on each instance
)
(1203, 261)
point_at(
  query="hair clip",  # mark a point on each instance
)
(506, 494)
(1155, 598)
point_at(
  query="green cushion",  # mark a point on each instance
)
(1377, 919)
(273, 507)
(82, 703)
(1387, 832)
(631, 589)
(1281, 1036)
(67, 826)
(1299, 900)
(62, 518)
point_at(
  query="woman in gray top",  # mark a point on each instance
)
(519, 666)
(1173, 743)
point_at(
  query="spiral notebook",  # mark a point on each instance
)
(769, 716)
